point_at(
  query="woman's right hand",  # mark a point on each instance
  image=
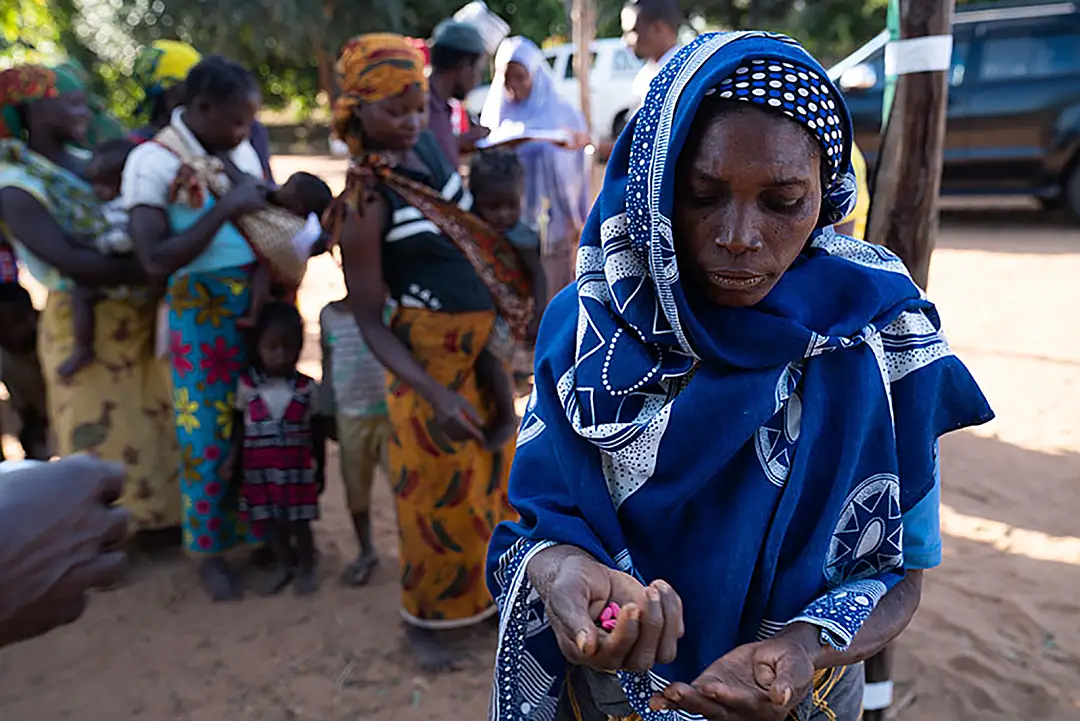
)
(250, 195)
(456, 417)
(575, 589)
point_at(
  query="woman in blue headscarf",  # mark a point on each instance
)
(733, 433)
(556, 185)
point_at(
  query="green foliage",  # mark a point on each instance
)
(291, 44)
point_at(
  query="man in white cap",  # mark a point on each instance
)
(458, 55)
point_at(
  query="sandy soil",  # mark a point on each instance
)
(996, 638)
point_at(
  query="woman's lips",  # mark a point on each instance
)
(736, 280)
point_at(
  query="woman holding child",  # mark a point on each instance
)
(402, 224)
(210, 265)
(733, 435)
(118, 406)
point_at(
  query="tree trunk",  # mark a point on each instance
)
(327, 81)
(904, 215)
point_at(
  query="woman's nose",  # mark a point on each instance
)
(739, 233)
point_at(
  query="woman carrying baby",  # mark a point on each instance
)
(210, 264)
(118, 406)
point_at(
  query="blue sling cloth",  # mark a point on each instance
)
(761, 459)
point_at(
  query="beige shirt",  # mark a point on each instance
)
(150, 168)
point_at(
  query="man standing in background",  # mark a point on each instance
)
(457, 60)
(651, 31)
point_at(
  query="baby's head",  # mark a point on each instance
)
(304, 194)
(106, 168)
(279, 337)
(497, 182)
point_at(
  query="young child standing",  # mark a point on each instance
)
(354, 394)
(279, 444)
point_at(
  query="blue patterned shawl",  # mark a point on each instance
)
(758, 459)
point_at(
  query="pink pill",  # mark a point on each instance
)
(609, 617)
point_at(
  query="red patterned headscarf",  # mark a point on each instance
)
(20, 85)
(371, 68)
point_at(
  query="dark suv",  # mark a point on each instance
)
(1013, 123)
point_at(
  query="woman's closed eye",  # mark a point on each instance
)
(781, 202)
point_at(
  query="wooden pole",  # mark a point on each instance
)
(583, 19)
(904, 214)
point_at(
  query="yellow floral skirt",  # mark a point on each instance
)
(449, 495)
(119, 407)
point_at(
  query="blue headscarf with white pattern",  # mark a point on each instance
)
(760, 460)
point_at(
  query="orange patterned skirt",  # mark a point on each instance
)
(449, 495)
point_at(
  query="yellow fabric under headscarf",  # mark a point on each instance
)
(371, 68)
(162, 64)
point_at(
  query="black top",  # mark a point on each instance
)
(421, 266)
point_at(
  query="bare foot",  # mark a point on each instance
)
(358, 573)
(262, 557)
(276, 582)
(428, 649)
(218, 580)
(305, 583)
(81, 357)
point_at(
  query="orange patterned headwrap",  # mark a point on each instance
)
(20, 85)
(371, 68)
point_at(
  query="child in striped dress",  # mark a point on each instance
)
(279, 442)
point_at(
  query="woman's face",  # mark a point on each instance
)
(747, 197)
(66, 116)
(394, 123)
(221, 125)
(518, 83)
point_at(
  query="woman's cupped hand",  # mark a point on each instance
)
(760, 681)
(576, 588)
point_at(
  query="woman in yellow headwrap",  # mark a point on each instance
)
(119, 407)
(160, 70)
(402, 224)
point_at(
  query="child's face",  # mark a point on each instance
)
(106, 184)
(278, 351)
(500, 207)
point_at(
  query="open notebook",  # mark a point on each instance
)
(516, 132)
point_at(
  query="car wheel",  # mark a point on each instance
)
(1072, 195)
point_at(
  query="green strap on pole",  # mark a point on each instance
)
(893, 24)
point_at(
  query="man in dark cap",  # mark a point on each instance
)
(457, 60)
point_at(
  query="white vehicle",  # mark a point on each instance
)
(611, 77)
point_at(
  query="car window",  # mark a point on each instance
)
(956, 72)
(1012, 57)
(625, 62)
(570, 65)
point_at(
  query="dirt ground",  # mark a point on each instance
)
(996, 637)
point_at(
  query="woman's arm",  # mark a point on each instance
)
(31, 223)
(162, 253)
(887, 621)
(767, 678)
(361, 261)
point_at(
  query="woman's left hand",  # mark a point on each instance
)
(756, 682)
